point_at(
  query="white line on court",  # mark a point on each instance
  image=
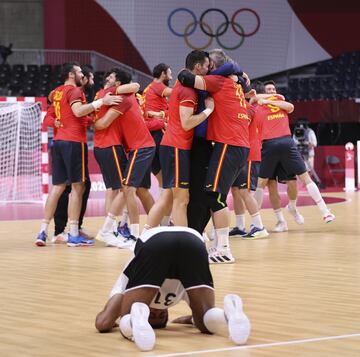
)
(265, 345)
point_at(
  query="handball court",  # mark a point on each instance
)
(301, 291)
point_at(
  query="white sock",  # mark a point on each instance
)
(165, 221)
(279, 215)
(222, 238)
(215, 321)
(256, 220)
(135, 230)
(44, 226)
(316, 196)
(240, 221)
(124, 217)
(292, 205)
(259, 196)
(74, 228)
(110, 220)
(125, 326)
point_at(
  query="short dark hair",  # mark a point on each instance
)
(159, 68)
(269, 82)
(259, 87)
(67, 68)
(121, 76)
(195, 57)
(86, 70)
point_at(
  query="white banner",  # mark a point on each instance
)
(262, 36)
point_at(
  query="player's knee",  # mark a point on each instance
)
(103, 323)
(216, 201)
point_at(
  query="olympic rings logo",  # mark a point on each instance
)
(206, 29)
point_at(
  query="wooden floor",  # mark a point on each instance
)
(301, 291)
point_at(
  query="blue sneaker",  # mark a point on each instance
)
(256, 233)
(124, 230)
(236, 231)
(41, 239)
(79, 241)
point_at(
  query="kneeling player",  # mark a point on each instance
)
(158, 277)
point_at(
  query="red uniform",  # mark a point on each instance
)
(111, 135)
(254, 137)
(135, 134)
(175, 135)
(273, 121)
(72, 128)
(229, 122)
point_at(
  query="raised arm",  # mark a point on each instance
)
(106, 120)
(282, 104)
(189, 120)
(128, 88)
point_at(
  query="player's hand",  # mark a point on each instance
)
(234, 77)
(209, 103)
(57, 123)
(185, 320)
(112, 99)
(262, 101)
(246, 77)
(250, 94)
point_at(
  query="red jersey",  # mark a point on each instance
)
(111, 135)
(72, 128)
(273, 121)
(254, 137)
(133, 129)
(175, 135)
(229, 122)
(155, 101)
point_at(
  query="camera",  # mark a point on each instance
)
(300, 135)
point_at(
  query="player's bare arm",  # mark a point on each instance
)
(106, 120)
(189, 121)
(128, 88)
(81, 110)
(288, 107)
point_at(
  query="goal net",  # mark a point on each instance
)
(20, 152)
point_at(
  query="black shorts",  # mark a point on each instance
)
(112, 162)
(282, 176)
(169, 253)
(225, 164)
(175, 165)
(138, 168)
(282, 151)
(248, 176)
(157, 136)
(69, 162)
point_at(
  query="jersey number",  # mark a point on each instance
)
(240, 95)
(169, 298)
(57, 109)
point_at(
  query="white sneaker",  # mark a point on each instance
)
(238, 323)
(280, 227)
(143, 333)
(329, 217)
(299, 219)
(60, 238)
(127, 243)
(220, 256)
(108, 238)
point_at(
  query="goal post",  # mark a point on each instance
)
(23, 150)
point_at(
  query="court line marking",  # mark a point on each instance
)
(264, 345)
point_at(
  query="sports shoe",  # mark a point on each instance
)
(79, 241)
(143, 333)
(256, 233)
(236, 231)
(238, 323)
(124, 230)
(127, 243)
(281, 226)
(59, 238)
(41, 239)
(217, 256)
(329, 217)
(299, 219)
(108, 238)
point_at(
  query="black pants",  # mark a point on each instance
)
(198, 211)
(61, 213)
